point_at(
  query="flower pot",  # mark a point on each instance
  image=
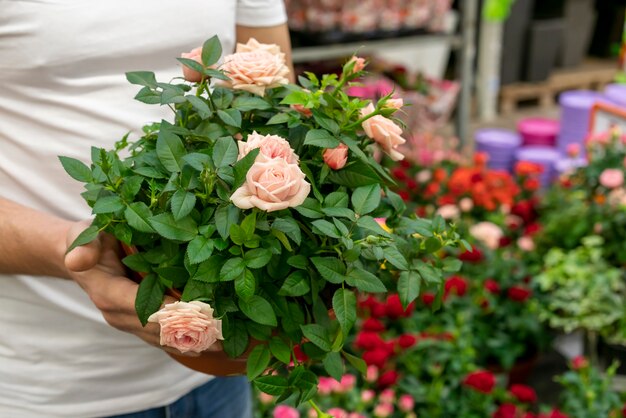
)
(215, 363)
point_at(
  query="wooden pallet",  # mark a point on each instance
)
(593, 75)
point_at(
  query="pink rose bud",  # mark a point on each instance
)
(368, 395)
(387, 396)
(302, 110)
(336, 158)
(347, 383)
(612, 178)
(372, 371)
(188, 326)
(406, 403)
(384, 132)
(394, 103)
(580, 362)
(337, 413)
(189, 74)
(359, 64)
(383, 410)
(284, 411)
(327, 385)
(573, 150)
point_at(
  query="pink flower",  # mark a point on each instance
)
(448, 212)
(580, 362)
(337, 413)
(526, 243)
(304, 111)
(272, 184)
(189, 74)
(347, 383)
(272, 146)
(255, 67)
(188, 326)
(387, 396)
(394, 104)
(612, 178)
(336, 158)
(367, 395)
(383, 410)
(488, 233)
(284, 411)
(327, 385)
(385, 132)
(466, 204)
(423, 176)
(406, 403)
(372, 373)
(359, 64)
(573, 150)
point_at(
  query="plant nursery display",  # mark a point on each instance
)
(255, 205)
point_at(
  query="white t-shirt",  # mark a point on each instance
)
(62, 90)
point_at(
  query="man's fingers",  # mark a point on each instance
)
(84, 257)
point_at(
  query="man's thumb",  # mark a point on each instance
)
(84, 257)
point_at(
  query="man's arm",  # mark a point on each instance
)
(278, 35)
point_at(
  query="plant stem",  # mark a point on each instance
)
(320, 413)
(360, 121)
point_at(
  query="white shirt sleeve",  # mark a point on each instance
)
(260, 13)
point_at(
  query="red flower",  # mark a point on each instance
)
(297, 352)
(394, 309)
(389, 378)
(378, 310)
(405, 164)
(526, 168)
(471, 256)
(505, 241)
(406, 341)
(580, 362)
(481, 159)
(376, 357)
(439, 175)
(525, 210)
(492, 286)
(529, 415)
(481, 381)
(519, 293)
(523, 393)
(456, 285)
(428, 298)
(411, 184)
(555, 413)
(368, 340)
(506, 410)
(531, 184)
(404, 195)
(368, 302)
(373, 324)
(399, 173)
(532, 229)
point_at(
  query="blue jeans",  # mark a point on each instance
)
(222, 397)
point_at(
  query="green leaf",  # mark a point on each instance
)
(452, 265)
(298, 261)
(296, 284)
(131, 187)
(318, 335)
(180, 230)
(108, 204)
(182, 204)
(311, 208)
(170, 150)
(393, 256)
(248, 225)
(211, 51)
(225, 216)
(142, 78)
(258, 360)
(225, 151)
(200, 105)
(232, 268)
(278, 119)
(337, 200)
(245, 285)
(237, 235)
(230, 117)
(333, 365)
(259, 310)
(280, 350)
(235, 338)
(355, 175)
(272, 385)
(190, 63)
(85, 237)
(366, 281)
(356, 362)
(199, 249)
(150, 172)
(326, 122)
(198, 160)
(174, 276)
(209, 270)
(321, 138)
(149, 297)
(137, 215)
(76, 169)
(367, 222)
(322, 226)
(331, 269)
(290, 227)
(136, 262)
(241, 167)
(365, 199)
(257, 258)
(430, 274)
(246, 103)
(344, 305)
(148, 96)
(408, 287)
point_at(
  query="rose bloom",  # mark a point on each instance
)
(373, 324)
(481, 381)
(336, 158)
(487, 232)
(473, 256)
(580, 362)
(253, 45)
(284, 411)
(337, 413)
(423, 176)
(506, 410)
(448, 212)
(255, 70)
(376, 357)
(394, 309)
(406, 403)
(612, 178)
(428, 298)
(188, 326)
(372, 374)
(519, 293)
(347, 383)
(368, 340)
(394, 104)
(189, 74)
(387, 396)
(526, 243)
(466, 204)
(272, 146)
(384, 131)
(526, 168)
(456, 285)
(383, 410)
(327, 385)
(368, 395)
(523, 393)
(492, 286)
(359, 64)
(406, 341)
(272, 184)
(389, 378)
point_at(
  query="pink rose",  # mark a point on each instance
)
(387, 396)
(466, 204)
(189, 74)
(448, 212)
(384, 131)
(394, 104)
(188, 326)
(406, 403)
(284, 411)
(327, 385)
(255, 67)
(488, 233)
(612, 178)
(526, 243)
(383, 410)
(272, 146)
(337, 413)
(304, 111)
(368, 395)
(272, 184)
(359, 64)
(347, 383)
(336, 158)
